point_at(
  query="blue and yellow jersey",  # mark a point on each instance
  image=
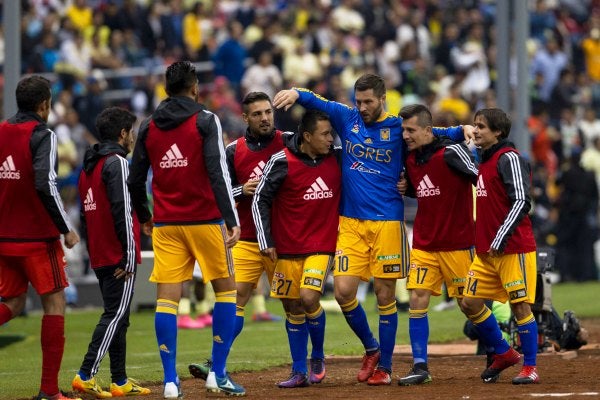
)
(372, 159)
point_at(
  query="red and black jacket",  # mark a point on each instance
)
(246, 159)
(296, 204)
(111, 227)
(31, 209)
(183, 144)
(503, 202)
(441, 176)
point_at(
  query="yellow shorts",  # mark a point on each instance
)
(292, 274)
(429, 269)
(250, 263)
(372, 249)
(509, 277)
(176, 247)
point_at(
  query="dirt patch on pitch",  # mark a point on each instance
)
(454, 368)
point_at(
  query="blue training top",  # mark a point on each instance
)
(372, 159)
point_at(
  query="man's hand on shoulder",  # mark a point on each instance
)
(285, 99)
(469, 132)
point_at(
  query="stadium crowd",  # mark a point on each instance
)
(438, 53)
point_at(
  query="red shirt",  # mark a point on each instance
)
(248, 166)
(493, 206)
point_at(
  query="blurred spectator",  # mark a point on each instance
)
(541, 20)
(571, 139)
(589, 126)
(301, 67)
(346, 17)
(80, 14)
(542, 137)
(76, 55)
(413, 39)
(472, 60)
(590, 159)
(196, 30)
(455, 104)
(562, 96)
(591, 50)
(79, 138)
(548, 61)
(262, 77)
(230, 57)
(90, 105)
(577, 227)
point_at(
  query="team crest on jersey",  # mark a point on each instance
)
(481, 192)
(355, 128)
(384, 134)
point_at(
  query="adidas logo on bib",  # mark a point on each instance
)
(173, 158)
(318, 190)
(257, 172)
(89, 204)
(8, 169)
(481, 192)
(426, 188)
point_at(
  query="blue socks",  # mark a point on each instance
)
(165, 326)
(418, 330)
(297, 332)
(316, 329)
(357, 319)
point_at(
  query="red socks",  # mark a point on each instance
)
(53, 345)
(5, 314)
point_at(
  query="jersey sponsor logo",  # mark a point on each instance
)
(318, 190)
(173, 158)
(517, 294)
(89, 204)
(481, 192)
(384, 134)
(8, 169)
(279, 275)
(359, 150)
(360, 167)
(368, 141)
(257, 172)
(389, 257)
(514, 283)
(426, 188)
(313, 271)
(316, 282)
(391, 268)
(355, 128)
